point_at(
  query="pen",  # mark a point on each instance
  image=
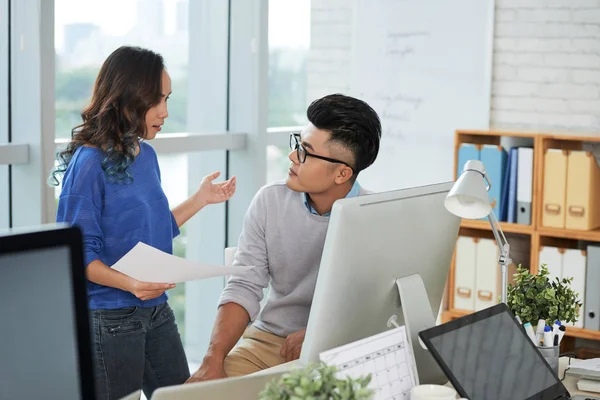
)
(539, 332)
(547, 336)
(556, 326)
(529, 331)
(561, 333)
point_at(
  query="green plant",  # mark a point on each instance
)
(317, 382)
(535, 297)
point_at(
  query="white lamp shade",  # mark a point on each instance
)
(468, 198)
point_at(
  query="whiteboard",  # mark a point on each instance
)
(425, 67)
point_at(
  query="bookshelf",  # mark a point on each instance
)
(535, 234)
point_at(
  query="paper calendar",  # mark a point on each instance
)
(386, 356)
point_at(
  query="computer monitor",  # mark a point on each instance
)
(376, 246)
(45, 349)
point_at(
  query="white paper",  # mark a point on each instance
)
(148, 264)
(386, 356)
(592, 364)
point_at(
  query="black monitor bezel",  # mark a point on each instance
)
(71, 237)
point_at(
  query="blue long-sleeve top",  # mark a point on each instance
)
(114, 217)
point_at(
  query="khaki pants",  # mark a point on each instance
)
(256, 351)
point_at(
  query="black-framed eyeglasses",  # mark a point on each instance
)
(302, 153)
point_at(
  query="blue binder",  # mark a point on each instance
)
(494, 159)
(512, 186)
(466, 152)
(505, 187)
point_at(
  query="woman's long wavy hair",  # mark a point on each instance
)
(127, 86)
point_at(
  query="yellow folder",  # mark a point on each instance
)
(555, 184)
(583, 191)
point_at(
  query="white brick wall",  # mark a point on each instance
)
(547, 65)
(546, 72)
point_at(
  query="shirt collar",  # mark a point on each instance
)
(354, 191)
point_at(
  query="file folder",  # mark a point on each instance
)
(574, 265)
(592, 293)
(555, 186)
(512, 186)
(488, 279)
(583, 191)
(466, 152)
(465, 273)
(524, 185)
(503, 216)
(494, 159)
(552, 257)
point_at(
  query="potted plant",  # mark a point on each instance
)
(317, 382)
(535, 297)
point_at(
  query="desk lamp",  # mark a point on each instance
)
(468, 199)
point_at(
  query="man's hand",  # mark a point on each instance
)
(291, 348)
(210, 369)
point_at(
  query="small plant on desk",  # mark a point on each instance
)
(318, 382)
(535, 297)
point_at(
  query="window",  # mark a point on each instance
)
(174, 176)
(4, 120)
(289, 42)
(224, 135)
(86, 32)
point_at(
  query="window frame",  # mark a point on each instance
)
(231, 59)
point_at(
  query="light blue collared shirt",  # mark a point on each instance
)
(355, 191)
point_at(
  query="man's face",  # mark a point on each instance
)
(316, 175)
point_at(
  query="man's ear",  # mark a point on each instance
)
(343, 175)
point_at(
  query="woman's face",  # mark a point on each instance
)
(155, 117)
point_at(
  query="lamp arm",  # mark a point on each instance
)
(504, 258)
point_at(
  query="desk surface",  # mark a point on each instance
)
(570, 382)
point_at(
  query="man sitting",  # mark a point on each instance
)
(283, 236)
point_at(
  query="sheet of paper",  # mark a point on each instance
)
(386, 356)
(592, 364)
(148, 264)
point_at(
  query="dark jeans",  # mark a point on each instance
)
(137, 348)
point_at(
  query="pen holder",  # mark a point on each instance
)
(551, 354)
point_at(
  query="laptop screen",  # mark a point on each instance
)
(490, 357)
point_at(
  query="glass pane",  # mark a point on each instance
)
(278, 163)
(86, 32)
(174, 177)
(289, 43)
(4, 101)
(289, 40)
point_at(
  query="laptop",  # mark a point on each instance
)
(487, 355)
(240, 388)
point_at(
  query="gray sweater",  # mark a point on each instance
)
(284, 240)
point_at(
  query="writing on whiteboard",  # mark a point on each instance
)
(425, 67)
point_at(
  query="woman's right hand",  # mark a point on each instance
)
(148, 290)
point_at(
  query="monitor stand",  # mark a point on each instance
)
(418, 317)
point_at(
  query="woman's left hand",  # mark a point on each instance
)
(213, 193)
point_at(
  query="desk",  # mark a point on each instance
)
(570, 382)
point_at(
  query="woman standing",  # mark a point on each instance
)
(111, 190)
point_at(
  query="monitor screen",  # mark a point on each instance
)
(40, 348)
(492, 358)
